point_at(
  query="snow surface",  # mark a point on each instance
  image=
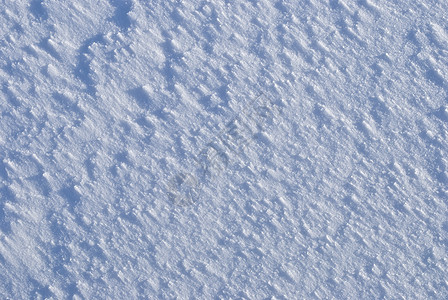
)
(223, 149)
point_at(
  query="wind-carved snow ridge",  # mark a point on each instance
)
(214, 158)
(82, 70)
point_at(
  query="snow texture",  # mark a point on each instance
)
(223, 149)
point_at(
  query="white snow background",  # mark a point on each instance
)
(136, 162)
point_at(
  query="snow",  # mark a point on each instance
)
(223, 149)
